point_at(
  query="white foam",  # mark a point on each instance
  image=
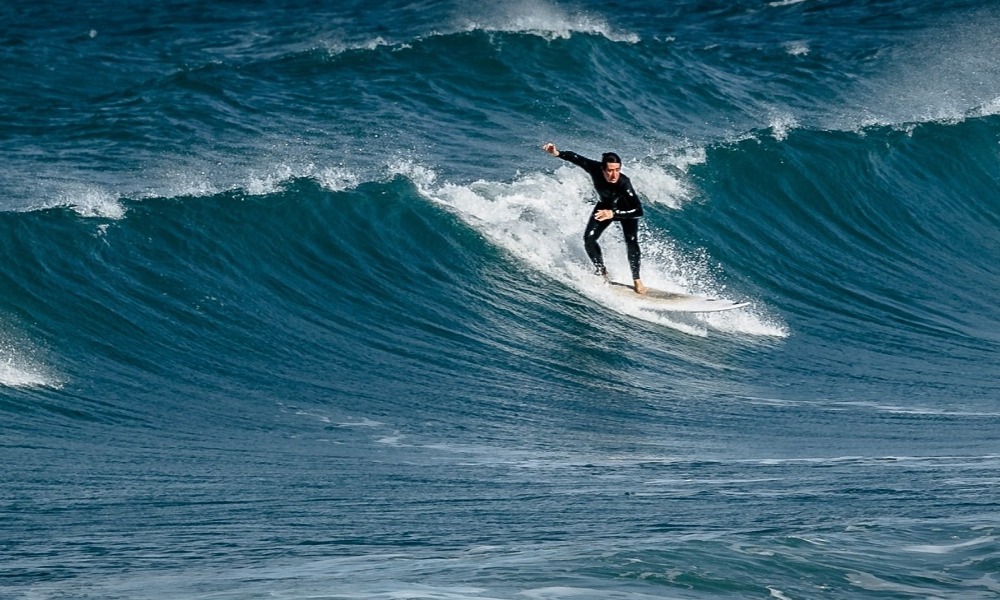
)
(544, 19)
(781, 124)
(659, 186)
(334, 47)
(533, 17)
(989, 108)
(338, 179)
(22, 377)
(17, 370)
(797, 48)
(420, 175)
(268, 182)
(683, 158)
(539, 218)
(91, 202)
(255, 181)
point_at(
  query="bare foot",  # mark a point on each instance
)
(639, 287)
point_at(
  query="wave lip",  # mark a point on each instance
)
(550, 22)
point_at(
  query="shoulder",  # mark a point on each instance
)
(626, 183)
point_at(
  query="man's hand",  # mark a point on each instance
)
(550, 148)
(604, 215)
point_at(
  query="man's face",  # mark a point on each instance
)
(612, 171)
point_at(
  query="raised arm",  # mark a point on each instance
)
(573, 157)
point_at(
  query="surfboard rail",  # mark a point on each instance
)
(675, 301)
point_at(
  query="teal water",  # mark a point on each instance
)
(293, 305)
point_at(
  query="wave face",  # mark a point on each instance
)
(292, 303)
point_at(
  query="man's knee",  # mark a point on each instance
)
(590, 237)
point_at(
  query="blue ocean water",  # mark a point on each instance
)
(293, 305)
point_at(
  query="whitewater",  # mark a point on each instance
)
(293, 305)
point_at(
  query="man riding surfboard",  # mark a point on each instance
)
(617, 201)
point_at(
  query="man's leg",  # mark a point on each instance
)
(630, 229)
(594, 230)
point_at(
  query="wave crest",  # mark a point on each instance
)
(548, 21)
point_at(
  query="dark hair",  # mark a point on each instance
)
(610, 157)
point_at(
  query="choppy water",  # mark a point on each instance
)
(292, 304)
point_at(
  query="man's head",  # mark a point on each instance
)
(611, 164)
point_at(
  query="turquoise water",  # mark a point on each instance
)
(292, 304)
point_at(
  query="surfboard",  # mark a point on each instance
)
(673, 301)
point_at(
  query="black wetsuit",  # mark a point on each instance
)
(618, 197)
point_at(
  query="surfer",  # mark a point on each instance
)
(617, 202)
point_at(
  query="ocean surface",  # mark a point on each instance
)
(293, 305)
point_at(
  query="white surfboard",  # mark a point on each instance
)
(673, 301)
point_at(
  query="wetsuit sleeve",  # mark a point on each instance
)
(578, 160)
